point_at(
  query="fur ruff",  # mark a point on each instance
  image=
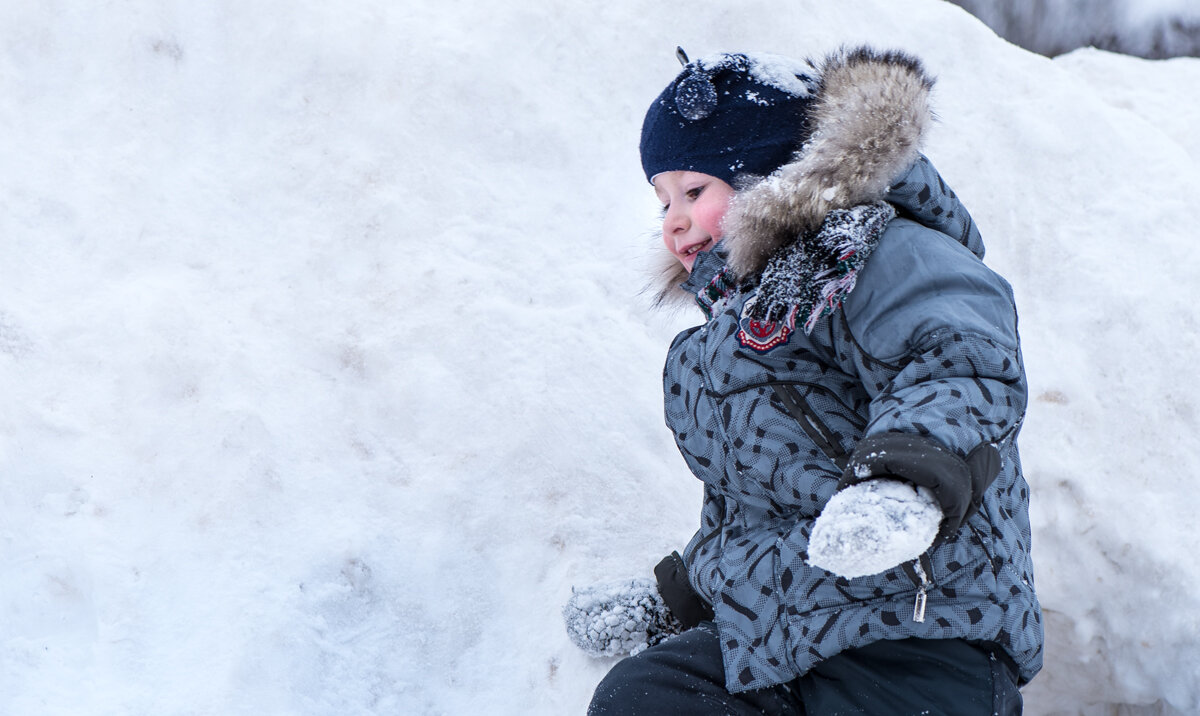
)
(868, 119)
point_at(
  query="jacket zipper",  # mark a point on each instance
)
(822, 436)
(918, 571)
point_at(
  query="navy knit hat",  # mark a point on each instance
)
(728, 114)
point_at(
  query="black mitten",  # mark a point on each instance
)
(676, 590)
(957, 484)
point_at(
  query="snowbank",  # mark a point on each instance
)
(327, 373)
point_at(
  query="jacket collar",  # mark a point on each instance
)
(704, 269)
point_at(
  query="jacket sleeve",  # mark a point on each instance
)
(936, 332)
(702, 555)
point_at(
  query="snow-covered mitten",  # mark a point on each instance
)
(618, 618)
(873, 526)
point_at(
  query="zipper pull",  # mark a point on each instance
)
(919, 604)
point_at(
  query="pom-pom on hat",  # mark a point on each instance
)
(729, 114)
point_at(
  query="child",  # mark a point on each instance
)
(851, 404)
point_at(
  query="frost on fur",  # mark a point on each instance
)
(873, 526)
(618, 618)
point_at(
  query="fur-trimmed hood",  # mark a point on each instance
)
(867, 121)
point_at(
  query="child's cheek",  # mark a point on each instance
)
(710, 219)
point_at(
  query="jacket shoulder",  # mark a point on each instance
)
(919, 282)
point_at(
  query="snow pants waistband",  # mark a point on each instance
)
(684, 675)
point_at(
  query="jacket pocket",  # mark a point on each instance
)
(806, 588)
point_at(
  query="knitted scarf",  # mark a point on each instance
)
(817, 271)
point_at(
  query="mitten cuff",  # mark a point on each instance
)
(957, 484)
(676, 590)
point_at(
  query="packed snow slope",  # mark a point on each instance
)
(327, 374)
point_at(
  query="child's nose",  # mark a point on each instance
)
(675, 222)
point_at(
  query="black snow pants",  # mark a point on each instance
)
(684, 676)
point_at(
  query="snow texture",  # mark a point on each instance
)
(785, 74)
(872, 526)
(326, 372)
(619, 618)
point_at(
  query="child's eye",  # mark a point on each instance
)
(693, 194)
(664, 209)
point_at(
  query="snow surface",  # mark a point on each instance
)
(327, 373)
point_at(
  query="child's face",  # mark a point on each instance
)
(693, 206)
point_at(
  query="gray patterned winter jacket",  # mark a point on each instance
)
(919, 342)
